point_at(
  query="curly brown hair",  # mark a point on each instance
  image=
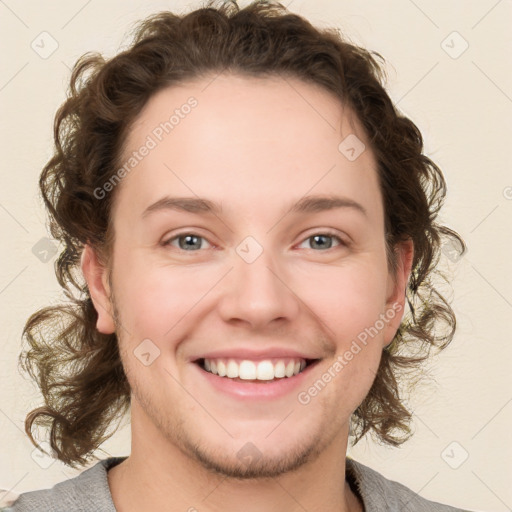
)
(77, 368)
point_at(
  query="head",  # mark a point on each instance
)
(247, 113)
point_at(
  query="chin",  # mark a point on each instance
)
(250, 462)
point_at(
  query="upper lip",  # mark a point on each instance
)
(254, 355)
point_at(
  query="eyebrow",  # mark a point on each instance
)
(307, 204)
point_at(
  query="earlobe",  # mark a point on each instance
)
(95, 276)
(397, 287)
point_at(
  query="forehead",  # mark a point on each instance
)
(238, 140)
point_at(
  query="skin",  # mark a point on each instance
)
(257, 146)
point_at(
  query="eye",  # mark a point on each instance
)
(321, 240)
(192, 242)
(186, 241)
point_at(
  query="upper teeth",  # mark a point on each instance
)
(255, 370)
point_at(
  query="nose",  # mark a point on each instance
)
(258, 293)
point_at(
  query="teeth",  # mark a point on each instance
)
(247, 370)
(232, 371)
(290, 367)
(221, 369)
(255, 370)
(279, 369)
(265, 370)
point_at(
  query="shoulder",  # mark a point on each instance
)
(7, 498)
(379, 493)
(87, 491)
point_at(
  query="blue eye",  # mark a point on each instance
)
(190, 242)
(319, 240)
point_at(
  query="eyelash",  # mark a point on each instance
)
(342, 243)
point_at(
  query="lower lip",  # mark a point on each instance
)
(264, 390)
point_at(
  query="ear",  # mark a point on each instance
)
(96, 277)
(396, 288)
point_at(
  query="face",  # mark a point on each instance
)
(289, 294)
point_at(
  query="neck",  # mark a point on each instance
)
(159, 476)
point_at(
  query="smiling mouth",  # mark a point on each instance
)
(266, 370)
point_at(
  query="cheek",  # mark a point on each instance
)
(155, 300)
(348, 299)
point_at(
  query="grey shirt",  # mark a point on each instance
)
(89, 492)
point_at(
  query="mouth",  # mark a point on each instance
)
(262, 371)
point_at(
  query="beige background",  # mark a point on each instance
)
(463, 105)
